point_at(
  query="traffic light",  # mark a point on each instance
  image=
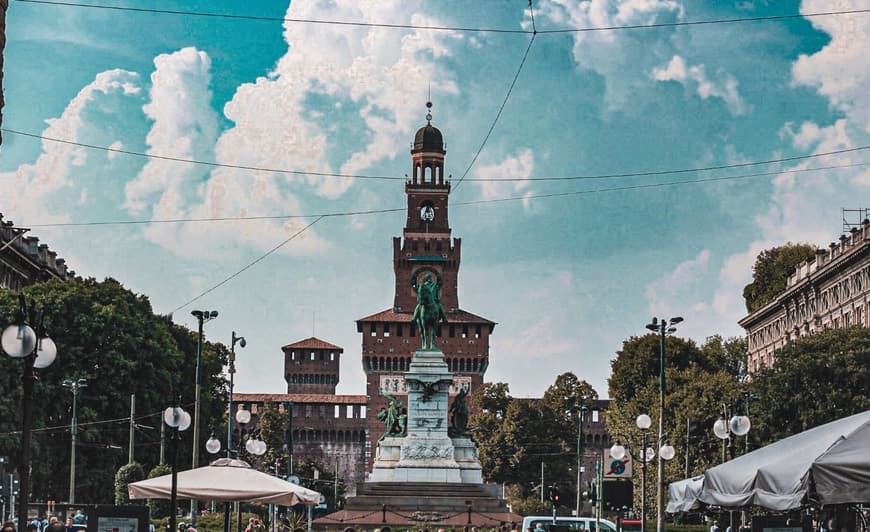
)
(554, 495)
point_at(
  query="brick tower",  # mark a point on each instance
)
(389, 338)
(312, 366)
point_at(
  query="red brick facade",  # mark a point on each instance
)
(312, 366)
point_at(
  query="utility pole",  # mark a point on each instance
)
(132, 428)
(75, 387)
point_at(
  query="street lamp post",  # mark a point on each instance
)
(666, 452)
(74, 387)
(232, 371)
(38, 351)
(201, 316)
(663, 328)
(176, 418)
(581, 417)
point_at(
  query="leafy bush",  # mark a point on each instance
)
(132, 472)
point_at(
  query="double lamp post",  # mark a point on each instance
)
(19, 340)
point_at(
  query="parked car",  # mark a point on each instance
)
(566, 524)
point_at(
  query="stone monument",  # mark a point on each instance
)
(432, 449)
(426, 470)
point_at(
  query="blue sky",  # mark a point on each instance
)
(569, 269)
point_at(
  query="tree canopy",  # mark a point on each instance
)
(111, 337)
(771, 270)
(515, 436)
(815, 379)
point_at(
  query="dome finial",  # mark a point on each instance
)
(429, 112)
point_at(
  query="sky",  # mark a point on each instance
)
(319, 113)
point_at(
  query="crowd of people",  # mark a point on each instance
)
(50, 524)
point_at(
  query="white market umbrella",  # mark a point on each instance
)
(225, 480)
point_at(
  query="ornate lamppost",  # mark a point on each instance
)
(19, 340)
(666, 452)
(232, 371)
(178, 419)
(663, 328)
(581, 417)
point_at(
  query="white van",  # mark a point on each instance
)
(566, 524)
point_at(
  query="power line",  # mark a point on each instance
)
(500, 109)
(195, 161)
(456, 204)
(248, 266)
(642, 173)
(262, 18)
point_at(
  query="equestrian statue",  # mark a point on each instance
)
(429, 312)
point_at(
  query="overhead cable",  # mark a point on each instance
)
(263, 18)
(641, 173)
(454, 204)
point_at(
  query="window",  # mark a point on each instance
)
(465, 331)
(312, 355)
(307, 410)
(362, 411)
(595, 416)
(292, 355)
(337, 411)
(386, 330)
(332, 356)
(477, 332)
(348, 411)
(373, 330)
(452, 331)
(322, 411)
(399, 328)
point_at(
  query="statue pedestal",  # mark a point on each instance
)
(426, 453)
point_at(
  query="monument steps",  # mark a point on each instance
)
(450, 497)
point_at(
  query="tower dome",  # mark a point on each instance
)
(428, 137)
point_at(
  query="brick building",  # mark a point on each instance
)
(389, 338)
(322, 426)
(24, 261)
(831, 290)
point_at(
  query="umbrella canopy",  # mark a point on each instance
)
(225, 480)
(829, 462)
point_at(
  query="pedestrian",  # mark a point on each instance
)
(715, 527)
(55, 526)
(8, 526)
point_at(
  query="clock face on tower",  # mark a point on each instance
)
(427, 213)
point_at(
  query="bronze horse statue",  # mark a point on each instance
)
(429, 312)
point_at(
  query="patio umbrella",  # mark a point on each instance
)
(227, 480)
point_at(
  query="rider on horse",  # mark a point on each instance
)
(429, 311)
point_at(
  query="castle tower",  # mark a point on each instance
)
(389, 338)
(312, 366)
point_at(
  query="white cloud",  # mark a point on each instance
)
(724, 87)
(623, 58)
(184, 125)
(113, 147)
(383, 71)
(839, 70)
(517, 168)
(670, 292)
(51, 172)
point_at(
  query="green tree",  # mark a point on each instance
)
(771, 270)
(637, 364)
(515, 437)
(111, 337)
(159, 507)
(815, 379)
(126, 474)
(697, 382)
